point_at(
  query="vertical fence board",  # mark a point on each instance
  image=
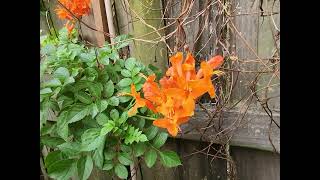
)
(255, 164)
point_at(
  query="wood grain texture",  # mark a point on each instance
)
(256, 165)
(247, 130)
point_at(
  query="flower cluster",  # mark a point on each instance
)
(77, 7)
(175, 98)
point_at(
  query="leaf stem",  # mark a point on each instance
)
(145, 117)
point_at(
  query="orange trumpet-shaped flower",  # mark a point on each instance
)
(152, 91)
(172, 125)
(78, 8)
(140, 102)
(175, 98)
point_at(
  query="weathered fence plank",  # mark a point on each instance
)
(247, 130)
(256, 165)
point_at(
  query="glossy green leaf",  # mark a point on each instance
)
(91, 139)
(108, 89)
(84, 167)
(126, 73)
(102, 105)
(170, 159)
(61, 73)
(102, 119)
(98, 155)
(125, 159)
(150, 158)
(62, 169)
(160, 139)
(114, 114)
(121, 171)
(109, 154)
(125, 82)
(113, 101)
(107, 128)
(130, 63)
(108, 165)
(151, 132)
(139, 149)
(51, 141)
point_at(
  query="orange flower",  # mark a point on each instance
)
(172, 125)
(214, 63)
(175, 98)
(140, 102)
(152, 91)
(77, 7)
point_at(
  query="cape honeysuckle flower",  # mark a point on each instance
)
(139, 101)
(172, 125)
(151, 90)
(175, 98)
(77, 7)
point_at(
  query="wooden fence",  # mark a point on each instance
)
(240, 140)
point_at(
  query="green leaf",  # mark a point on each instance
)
(45, 91)
(123, 118)
(69, 80)
(62, 169)
(91, 139)
(102, 119)
(121, 171)
(142, 138)
(104, 60)
(114, 114)
(102, 105)
(91, 73)
(135, 71)
(114, 55)
(83, 97)
(70, 148)
(113, 101)
(150, 158)
(108, 165)
(94, 110)
(126, 148)
(122, 41)
(109, 154)
(170, 159)
(126, 73)
(130, 63)
(52, 158)
(136, 79)
(125, 82)
(160, 139)
(98, 156)
(107, 128)
(96, 89)
(51, 141)
(124, 99)
(84, 166)
(87, 57)
(62, 125)
(61, 73)
(139, 149)
(108, 89)
(77, 116)
(151, 132)
(124, 158)
(48, 49)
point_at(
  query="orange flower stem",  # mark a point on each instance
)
(145, 117)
